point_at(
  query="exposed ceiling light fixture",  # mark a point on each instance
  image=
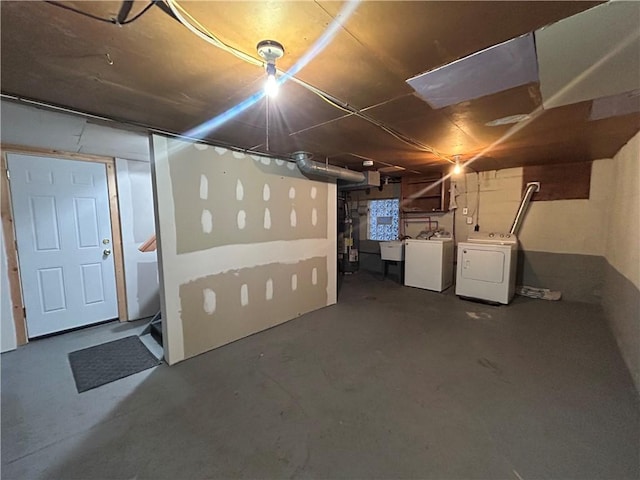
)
(457, 170)
(276, 48)
(270, 51)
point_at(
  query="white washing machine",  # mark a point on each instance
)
(487, 267)
(428, 264)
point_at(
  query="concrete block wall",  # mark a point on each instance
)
(562, 242)
(588, 249)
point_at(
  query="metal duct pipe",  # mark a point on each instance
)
(306, 165)
(524, 204)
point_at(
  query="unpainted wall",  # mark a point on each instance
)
(621, 298)
(623, 211)
(137, 224)
(562, 242)
(220, 200)
(589, 249)
(240, 302)
(246, 242)
(559, 226)
(29, 126)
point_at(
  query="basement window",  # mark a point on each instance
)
(383, 219)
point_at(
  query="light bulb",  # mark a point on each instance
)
(271, 86)
(270, 51)
(457, 169)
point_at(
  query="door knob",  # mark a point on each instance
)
(106, 251)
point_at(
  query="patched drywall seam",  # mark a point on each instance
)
(221, 308)
(276, 188)
(224, 198)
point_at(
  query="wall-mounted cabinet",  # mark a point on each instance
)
(424, 194)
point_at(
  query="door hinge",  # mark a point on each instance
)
(8, 174)
(24, 312)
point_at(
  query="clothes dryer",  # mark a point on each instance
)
(486, 267)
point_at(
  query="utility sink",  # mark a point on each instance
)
(393, 250)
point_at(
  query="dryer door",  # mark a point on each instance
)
(483, 265)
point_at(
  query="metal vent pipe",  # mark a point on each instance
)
(308, 166)
(524, 204)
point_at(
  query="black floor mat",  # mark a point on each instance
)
(96, 366)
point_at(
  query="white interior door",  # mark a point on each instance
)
(63, 230)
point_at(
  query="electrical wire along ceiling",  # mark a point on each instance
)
(409, 86)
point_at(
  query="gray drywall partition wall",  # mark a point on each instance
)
(137, 224)
(245, 243)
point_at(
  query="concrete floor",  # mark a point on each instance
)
(392, 382)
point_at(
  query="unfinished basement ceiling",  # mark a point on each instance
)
(155, 72)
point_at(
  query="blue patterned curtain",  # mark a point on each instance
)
(384, 219)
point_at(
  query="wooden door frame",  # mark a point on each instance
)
(15, 284)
